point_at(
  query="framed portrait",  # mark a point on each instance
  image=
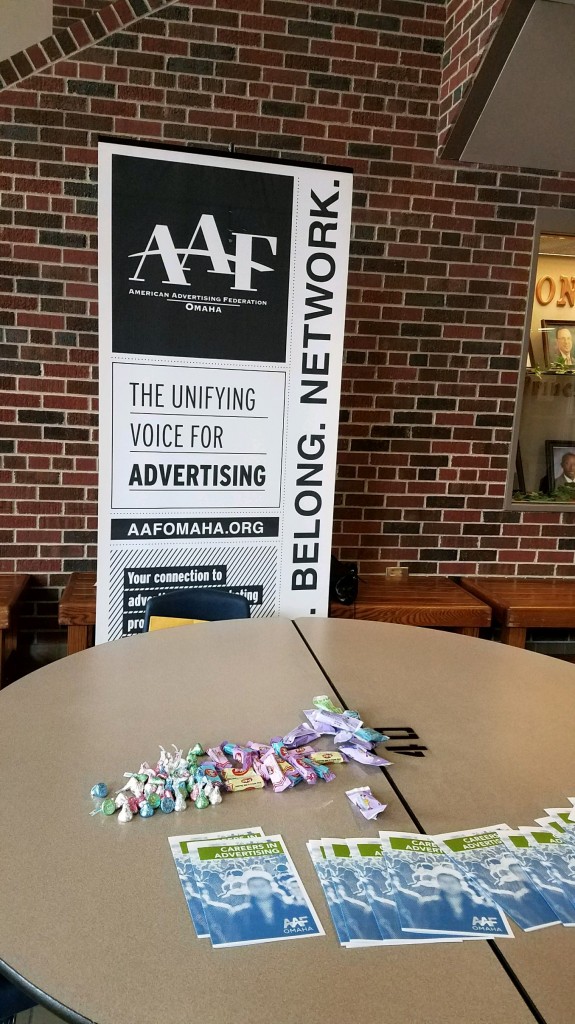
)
(558, 340)
(560, 458)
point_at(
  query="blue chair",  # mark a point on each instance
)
(12, 1000)
(195, 605)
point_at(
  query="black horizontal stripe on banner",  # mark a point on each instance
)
(232, 527)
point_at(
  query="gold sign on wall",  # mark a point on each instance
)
(548, 288)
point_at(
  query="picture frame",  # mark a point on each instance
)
(554, 347)
(555, 452)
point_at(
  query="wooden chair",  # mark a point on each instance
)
(180, 606)
(12, 586)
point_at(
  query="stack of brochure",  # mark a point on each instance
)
(405, 888)
(242, 887)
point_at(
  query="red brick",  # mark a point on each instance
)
(401, 262)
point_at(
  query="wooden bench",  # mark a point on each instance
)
(77, 610)
(521, 604)
(12, 586)
(417, 601)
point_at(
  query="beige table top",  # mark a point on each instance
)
(92, 911)
(498, 725)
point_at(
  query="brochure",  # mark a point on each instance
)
(549, 823)
(359, 883)
(180, 847)
(433, 895)
(544, 856)
(558, 824)
(270, 902)
(362, 859)
(559, 819)
(328, 874)
(482, 855)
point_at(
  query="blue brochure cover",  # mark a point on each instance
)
(180, 847)
(482, 855)
(270, 902)
(545, 856)
(353, 886)
(328, 874)
(433, 895)
(366, 892)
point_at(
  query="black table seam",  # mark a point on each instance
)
(505, 965)
(388, 778)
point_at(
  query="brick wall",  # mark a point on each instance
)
(469, 28)
(437, 292)
(65, 14)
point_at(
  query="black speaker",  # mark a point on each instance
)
(343, 581)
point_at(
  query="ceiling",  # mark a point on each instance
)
(22, 23)
(518, 110)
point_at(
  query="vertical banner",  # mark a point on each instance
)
(222, 286)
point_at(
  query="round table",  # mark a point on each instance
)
(93, 918)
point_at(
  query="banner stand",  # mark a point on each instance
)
(222, 283)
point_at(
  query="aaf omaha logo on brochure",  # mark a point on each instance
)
(295, 925)
(213, 268)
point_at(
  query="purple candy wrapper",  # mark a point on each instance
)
(303, 767)
(260, 748)
(364, 756)
(217, 755)
(343, 736)
(322, 771)
(321, 727)
(301, 734)
(337, 722)
(277, 778)
(244, 755)
(259, 767)
(297, 763)
(357, 741)
(363, 798)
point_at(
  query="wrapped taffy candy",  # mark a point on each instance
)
(321, 770)
(236, 780)
(301, 734)
(327, 757)
(363, 798)
(323, 702)
(219, 758)
(208, 770)
(278, 779)
(363, 756)
(298, 763)
(243, 755)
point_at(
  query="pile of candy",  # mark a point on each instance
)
(164, 787)
(284, 762)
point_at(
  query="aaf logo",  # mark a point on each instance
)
(295, 924)
(240, 264)
(484, 923)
